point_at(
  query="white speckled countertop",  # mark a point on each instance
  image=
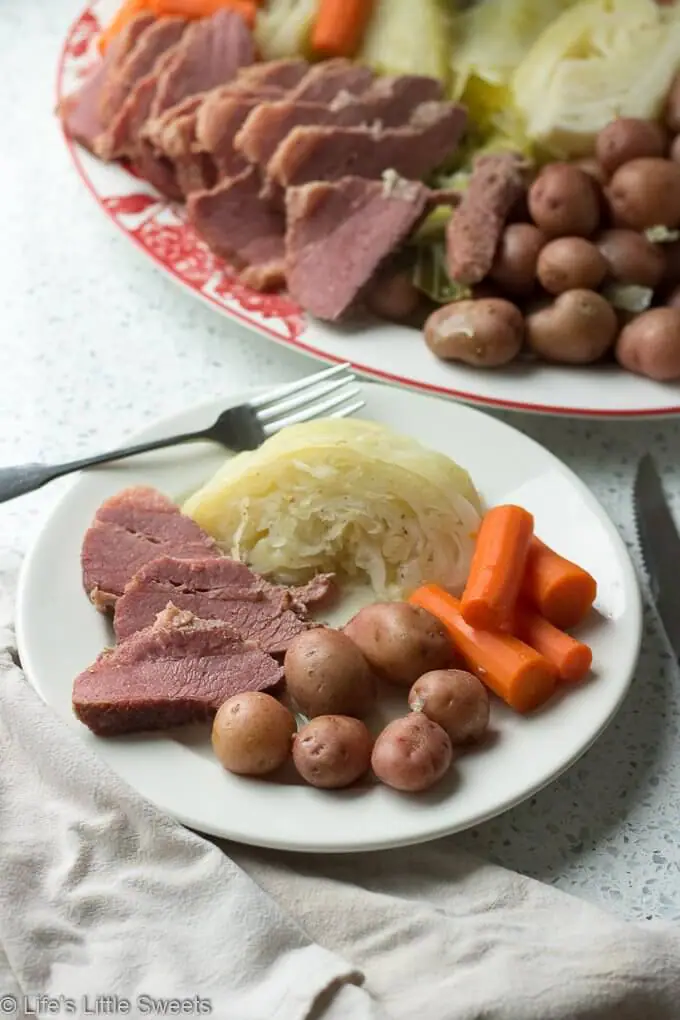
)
(94, 342)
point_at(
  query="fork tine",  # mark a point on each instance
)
(345, 412)
(282, 407)
(297, 386)
(320, 409)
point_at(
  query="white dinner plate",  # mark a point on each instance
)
(387, 352)
(60, 633)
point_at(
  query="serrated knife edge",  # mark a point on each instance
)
(659, 544)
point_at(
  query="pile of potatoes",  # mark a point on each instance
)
(333, 678)
(589, 267)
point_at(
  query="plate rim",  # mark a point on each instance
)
(629, 576)
(308, 348)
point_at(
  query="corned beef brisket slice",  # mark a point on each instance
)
(472, 236)
(160, 35)
(324, 81)
(217, 123)
(211, 53)
(123, 134)
(173, 136)
(390, 102)
(80, 112)
(219, 589)
(330, 153)
(178, 671)
(131, 528)
(282, 74)
(241, 226)
(198, 134)
(339, 233)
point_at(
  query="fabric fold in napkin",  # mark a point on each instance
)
(100, 894)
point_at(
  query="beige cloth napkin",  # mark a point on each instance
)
(100, 894)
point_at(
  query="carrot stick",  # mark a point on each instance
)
(561, 591)
(204, 8)
(571, 658)
(497, 568)
(123, 16)
(521, 676)
(339, 26)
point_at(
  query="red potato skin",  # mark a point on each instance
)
(454, 699)
(332, 751)
(628, 138)
(631, 258)
(326, 674)
(514, 267)
(564, 201)
(399, 641)
(645, 193)
(650, 345)
(412, 754)
(252, 734)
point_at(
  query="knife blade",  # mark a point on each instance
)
(660, 546)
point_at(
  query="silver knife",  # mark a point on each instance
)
(660, 546)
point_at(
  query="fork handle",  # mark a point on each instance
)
(16, 481)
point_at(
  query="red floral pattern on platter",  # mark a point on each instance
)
(129, 205)
(160, 229)
(82, 35)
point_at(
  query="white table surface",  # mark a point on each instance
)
(95, 342)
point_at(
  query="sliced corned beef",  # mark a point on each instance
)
(177, 671)
(282, 74)
(389, 102)
(210, 53)
(397, 97)
(157, 169)
(339, 233)
(217, 589)
(197, 135)
(123, 135)
(330, 153)
(131, 528)
(218, 122)
(270, 123)
(324, 81)
(242, 227)
(476, 227)
(173, 136)
(163, 131)
(157, 38)
(80, 112)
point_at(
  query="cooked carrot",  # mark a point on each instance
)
(123, 16)
(339, 26)
(497, 568)
(561, 591)
(204, 8)
(571, 658)
(518, 674)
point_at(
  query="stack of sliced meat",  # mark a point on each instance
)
(193, 627)
(249, 144)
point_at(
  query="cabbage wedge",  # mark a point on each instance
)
(600, 60)
(345, 496)
(283, 27)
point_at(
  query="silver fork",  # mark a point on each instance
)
(331, 393)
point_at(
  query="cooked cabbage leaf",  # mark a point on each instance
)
(431, 276)
(600, 60)
(283, 28)
(408, 37)
(490, 40)
(348, 496)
